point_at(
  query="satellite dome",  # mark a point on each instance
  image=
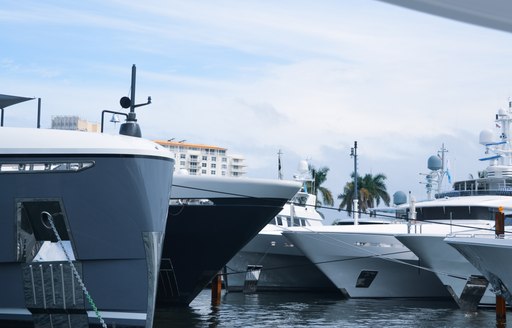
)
(486, 137)
(501, 112)
(303, 167)
(434, 163)
(399, 198)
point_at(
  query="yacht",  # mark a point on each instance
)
(462, 280)
(279, 265)
(210, 219)
(367, 261)
(82, 222)
(467, 210)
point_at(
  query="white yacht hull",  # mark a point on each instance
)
(490, 257)
(450, 266)
(351, 260)
(284, 266)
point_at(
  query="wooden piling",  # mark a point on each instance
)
(501, 315)
(499, 227)
(216, 289)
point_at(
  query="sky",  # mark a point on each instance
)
(305, 77)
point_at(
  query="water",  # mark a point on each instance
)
(319, 310)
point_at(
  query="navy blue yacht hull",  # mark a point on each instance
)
(201, 239)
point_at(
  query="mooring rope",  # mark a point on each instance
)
(73, 268)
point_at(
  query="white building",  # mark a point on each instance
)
(200, 159)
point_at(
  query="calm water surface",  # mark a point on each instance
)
(319, 310)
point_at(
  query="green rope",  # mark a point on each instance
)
(75, 271)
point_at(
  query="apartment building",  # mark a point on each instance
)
(199, 159)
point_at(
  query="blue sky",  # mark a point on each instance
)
(305, 77)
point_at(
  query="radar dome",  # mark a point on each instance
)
(303, 166)
(486, 137)
(399, 198)
(434, 163)
(501, 112)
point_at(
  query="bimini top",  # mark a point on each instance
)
(6, 100)
(23, 141)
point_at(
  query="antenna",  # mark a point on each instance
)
(130, 127)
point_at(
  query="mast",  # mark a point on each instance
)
(353, 153)
(130, 127)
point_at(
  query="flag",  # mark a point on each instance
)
(280, 175)
(448, 174)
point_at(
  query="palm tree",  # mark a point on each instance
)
(372, 190)
(319, 177)
(376, 190)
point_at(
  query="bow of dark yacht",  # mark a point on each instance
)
(210, 219)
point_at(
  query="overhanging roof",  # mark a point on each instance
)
(496, 14)
(6, 100)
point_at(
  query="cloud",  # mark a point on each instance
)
(256, 77)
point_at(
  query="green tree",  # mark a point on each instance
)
(372, 189)
(319, 177)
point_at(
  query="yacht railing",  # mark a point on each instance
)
(456, 193)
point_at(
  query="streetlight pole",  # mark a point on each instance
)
(353, 153)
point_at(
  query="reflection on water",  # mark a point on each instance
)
(319, 310)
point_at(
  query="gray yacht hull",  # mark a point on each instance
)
(112, 212)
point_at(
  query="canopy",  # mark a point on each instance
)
(496, 14)
(6, 100)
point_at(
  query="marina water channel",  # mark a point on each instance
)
(278, 309)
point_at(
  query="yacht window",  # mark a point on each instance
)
(296, 222)
(45, 167)
(289, 221)
(454, 213)
(279, 220)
